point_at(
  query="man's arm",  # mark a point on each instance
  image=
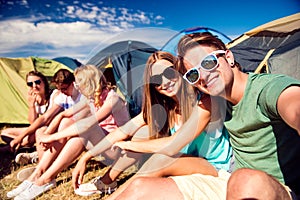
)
(288, 106)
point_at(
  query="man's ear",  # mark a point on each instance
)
(229, 57)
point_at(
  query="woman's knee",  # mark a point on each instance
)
(156, 166)
(65, 122)
(141, 134)
(135, 188)
(40, 131)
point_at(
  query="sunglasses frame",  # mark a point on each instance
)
(37, 82)
(197, 67)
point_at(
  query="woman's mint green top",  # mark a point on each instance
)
(212, 144)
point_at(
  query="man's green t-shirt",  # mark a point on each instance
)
(260, 138)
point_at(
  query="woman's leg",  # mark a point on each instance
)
(71, 150)
(160, 165)
(125, 160)
(121, 164)
(148, 188)
(46, 160)
(47, 157)
(9, 134)
(57, 145)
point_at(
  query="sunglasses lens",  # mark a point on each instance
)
(29, 84)
(192, 76)
(210, 62)
(156, 80)
(170, 73)
(38, 82)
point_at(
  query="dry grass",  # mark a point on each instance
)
(64, 189)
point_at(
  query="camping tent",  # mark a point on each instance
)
(67, 61)
(125, 62)
(13, 95)
(171, 45)
(273, 47)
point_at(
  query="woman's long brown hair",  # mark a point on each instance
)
(159, 111)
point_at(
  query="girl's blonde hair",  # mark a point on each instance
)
(91, 81)
(159, 111)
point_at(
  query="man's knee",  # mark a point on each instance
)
(256, 184)
(244, 178)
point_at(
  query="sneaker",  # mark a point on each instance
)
(27, 158)
(25, 173)
(96, 186)
(23, 186)
(34, 191)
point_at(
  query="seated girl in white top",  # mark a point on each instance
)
(38, 102)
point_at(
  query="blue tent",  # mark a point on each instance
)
(67, 61)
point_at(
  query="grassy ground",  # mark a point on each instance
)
(64, 189)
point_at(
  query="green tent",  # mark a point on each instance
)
(13, 95)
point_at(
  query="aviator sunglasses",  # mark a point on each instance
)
(37, 82)
(169, 73)
(209, 63)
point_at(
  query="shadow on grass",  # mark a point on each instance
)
(7, 164)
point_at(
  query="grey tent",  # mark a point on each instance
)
(123, 63)
(273, 47)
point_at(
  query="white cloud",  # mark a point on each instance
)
(76, 39)
(15, 34)
(94, 26)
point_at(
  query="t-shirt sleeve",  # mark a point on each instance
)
(59, 99)
(270, 93)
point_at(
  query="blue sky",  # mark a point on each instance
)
(77, 29)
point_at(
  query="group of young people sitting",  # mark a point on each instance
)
(207, 130)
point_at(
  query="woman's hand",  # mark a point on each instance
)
(33, 97)
(46, 140)
(123, 145)
(78, 173)
(15, 144)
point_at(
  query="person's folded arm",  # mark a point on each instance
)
(76, 109)
(39, 122)
(82, 125)
(171, 145)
